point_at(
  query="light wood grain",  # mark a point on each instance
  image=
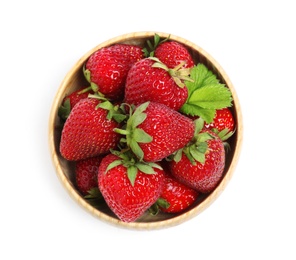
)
(64, 169)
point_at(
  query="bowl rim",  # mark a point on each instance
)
(162, 223)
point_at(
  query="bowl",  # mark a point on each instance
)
(64, 169)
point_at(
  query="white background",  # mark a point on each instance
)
(254, 41)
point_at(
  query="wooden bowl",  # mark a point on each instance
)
(64, 169)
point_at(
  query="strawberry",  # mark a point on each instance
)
(150, 80)
(222, 120)
(87, 131)
(107, 68)
(71, 100)
(126, 188)
(172, 53)
(201, 163)
(154, 131)
(86, 174)
(176, 197)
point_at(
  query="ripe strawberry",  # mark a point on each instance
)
(149, 80)
(200, 165)
(172, 53)
(71, 100)
(176, 197)
(222, 120)
(87, 132)
(127, 190)
(107, 68)
(86, 173)
(154, 131)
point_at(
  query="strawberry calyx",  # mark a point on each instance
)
(133, 134)
(94, 196)
(93, 86)
(152, 46)
(196, 149)
(160, 203)
(93, 193)
(132, 164)
(114, 111)
(224, 135)
(179, 73)
(66, 106)
(65, 109)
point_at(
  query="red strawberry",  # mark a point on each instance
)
(172, 53)
(128, 191)
(154, 131)
(201, 164)
(145, 82)
(86, 174)
(176, 197)
(77, 95)
(71, 100)
(107, 68)
(223, 119)
(87, 132)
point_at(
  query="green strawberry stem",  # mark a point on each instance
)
(114, 112)
(64, 109)
(152, 47)
(132, 164)
(155, 208)
(224, 135)
(93, 193)
(93, 86)
(179, 73)
(134, 135)
(85, 90)
(94, 197)
(196, 149)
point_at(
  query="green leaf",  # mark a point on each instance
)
(228, 135)
(163, 203)
(153, 46)
(214, 96)
(205, 94)
(140, 109)
(203, 137)
(121, 131)
(195, 110)
(64, 109)
(156, 40)
(106, 105)
(178, 155)
(154, 165)
(86, 74)
(132, 174)
(93, 193)
(145, 168)
(113, 164)
(140, 136)
(138, 119)
(202, 147)
(137, 150)
(118, 117)
(154, 209)
(201, 76)
(199, 124)
(197, 155)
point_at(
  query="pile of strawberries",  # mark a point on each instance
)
(148, 130)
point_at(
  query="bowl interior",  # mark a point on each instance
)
(65, 169)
